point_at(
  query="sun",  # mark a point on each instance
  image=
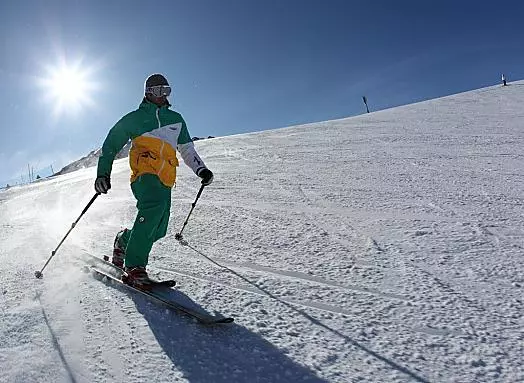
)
(68, 88)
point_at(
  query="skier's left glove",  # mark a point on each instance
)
(206, 175)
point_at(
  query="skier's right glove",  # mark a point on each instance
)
(206, 175)
(102, 184)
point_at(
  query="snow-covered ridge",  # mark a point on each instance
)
(90, 160)
(380, 248)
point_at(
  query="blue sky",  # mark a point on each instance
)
(235, 65)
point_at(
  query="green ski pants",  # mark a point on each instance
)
(154, 204)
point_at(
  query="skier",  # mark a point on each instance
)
(155, 131)
(504, 80)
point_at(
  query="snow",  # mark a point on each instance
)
(383, 247)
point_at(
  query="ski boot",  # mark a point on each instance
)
(137, 277)
(119, 252)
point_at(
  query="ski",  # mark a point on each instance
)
(154, 283)
(105, 262)
(121, 272)
(199, 316)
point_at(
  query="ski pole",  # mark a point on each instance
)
(39, 274)
(178, 236)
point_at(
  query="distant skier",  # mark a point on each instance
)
(155, 131)
(503, 80)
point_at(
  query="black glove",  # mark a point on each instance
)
(102, 184)
(206, 175)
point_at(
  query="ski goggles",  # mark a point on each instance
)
(159, 90)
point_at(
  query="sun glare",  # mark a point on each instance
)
(68, 88)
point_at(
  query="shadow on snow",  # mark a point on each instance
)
(219, 353)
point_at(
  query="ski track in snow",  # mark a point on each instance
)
(384, 247)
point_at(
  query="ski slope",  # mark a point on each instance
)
(386, 247)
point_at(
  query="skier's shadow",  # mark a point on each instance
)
(218, 353)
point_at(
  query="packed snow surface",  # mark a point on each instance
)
(386, 247)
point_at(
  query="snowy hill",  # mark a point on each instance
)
(91, 160)
(381, 248)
